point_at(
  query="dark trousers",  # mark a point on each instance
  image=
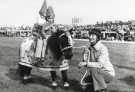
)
(90, 86)
(24, 70)
(63, 73)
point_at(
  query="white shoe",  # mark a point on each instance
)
(54, 84)
(27, 77)
(66, 84)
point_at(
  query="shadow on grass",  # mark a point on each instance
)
(75, 86)
(125, 67)
(13, 74)
(130, 80)
(114, 91)
(45, 81)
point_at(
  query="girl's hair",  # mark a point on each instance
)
(96, 31)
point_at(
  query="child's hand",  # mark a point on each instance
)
(82, 64)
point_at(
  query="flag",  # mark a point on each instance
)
(42, 11)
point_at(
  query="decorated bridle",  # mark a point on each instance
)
(69, 40)
(67, 47)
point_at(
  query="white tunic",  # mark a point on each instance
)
(26, 52)
(40, 48)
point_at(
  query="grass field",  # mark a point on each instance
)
(122, 57)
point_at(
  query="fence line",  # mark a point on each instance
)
(112, 43)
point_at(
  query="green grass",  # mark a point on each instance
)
(122, 57)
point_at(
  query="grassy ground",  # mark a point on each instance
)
(122, 57)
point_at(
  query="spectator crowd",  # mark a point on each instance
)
(117, 30)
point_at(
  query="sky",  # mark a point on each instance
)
(25, 12)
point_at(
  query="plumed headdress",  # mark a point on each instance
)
(50, 13)
(46, 11)
(42, 11)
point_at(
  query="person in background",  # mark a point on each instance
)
(97, 62)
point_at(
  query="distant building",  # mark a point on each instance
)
(76, 21)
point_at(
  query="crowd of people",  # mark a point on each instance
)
(22, 27)
(118, 30)
(15, 31)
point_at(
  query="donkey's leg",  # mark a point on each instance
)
(65, 78)
(54, 76)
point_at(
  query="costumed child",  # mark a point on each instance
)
(48, 15)
(27, 49)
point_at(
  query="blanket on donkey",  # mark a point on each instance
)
(58, 52)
